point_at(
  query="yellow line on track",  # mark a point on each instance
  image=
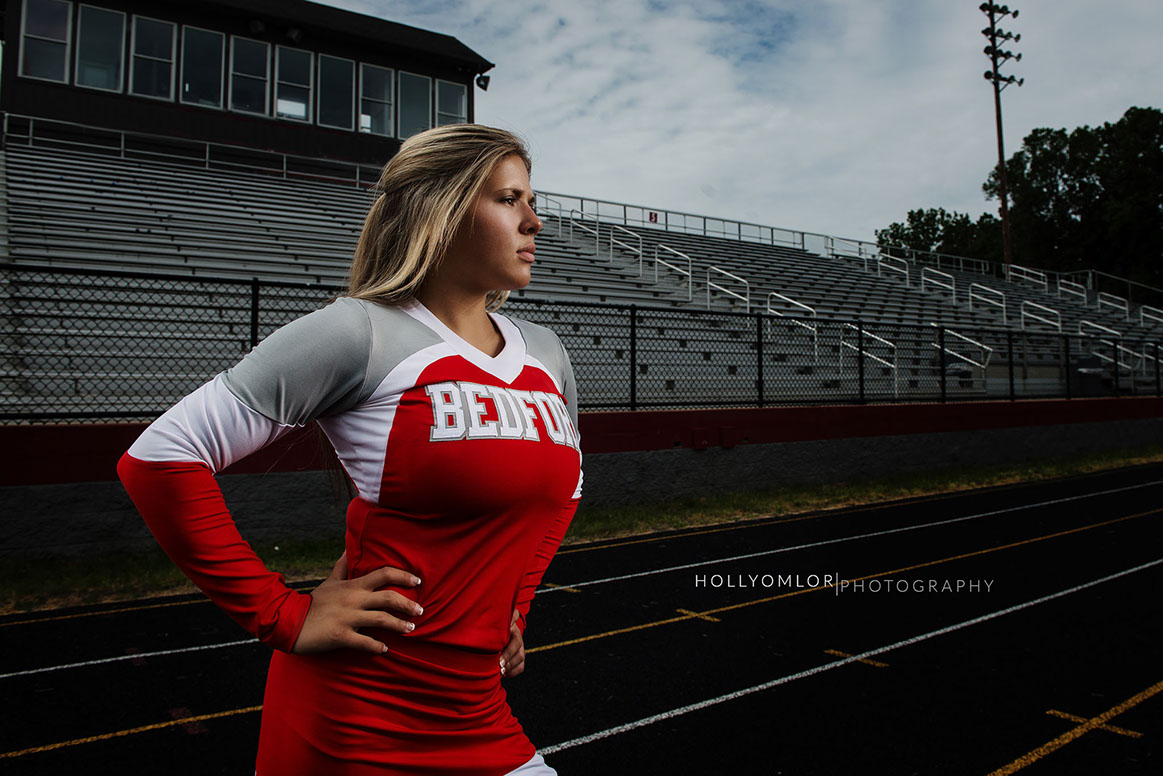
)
(1107, 728)
(129, 732)
(669, 620)
(838, 653)
(1070, 735)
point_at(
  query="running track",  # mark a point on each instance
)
(715, 650)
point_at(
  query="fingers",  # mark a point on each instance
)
(340, 569)
(515, 665)
(373, 619)
(394, 601)
(388, 575)
(512, 661)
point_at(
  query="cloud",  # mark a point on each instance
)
(833, 116)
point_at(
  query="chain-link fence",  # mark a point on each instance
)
(96, 346)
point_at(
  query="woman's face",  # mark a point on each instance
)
(493, 249)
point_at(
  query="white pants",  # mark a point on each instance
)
(535, 767)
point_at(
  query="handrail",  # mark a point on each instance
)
(864, 352)
(890, 263)
(627, 246)
(689, 271)
(939, 260)
(980, 296)
(1074, 289)
(949, 282)
(746, 297)
(1091, 324)
(185, 160)
(1035, 276)
(596, 232)
(988, 350)
(789, 300)
(1032, 309)
(1091, 274)
(1152, 313)
(680, 221)
(813, 329)
(547, 204)
(1117, 302)
(1116, 343)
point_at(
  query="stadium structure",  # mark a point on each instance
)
(177, 180)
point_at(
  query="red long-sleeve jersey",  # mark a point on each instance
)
(467, 469)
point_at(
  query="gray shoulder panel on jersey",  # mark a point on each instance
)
(543, 344)
(327, 361)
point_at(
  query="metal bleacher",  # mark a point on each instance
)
(197, 229)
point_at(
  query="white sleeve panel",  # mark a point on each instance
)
(210, 425)
(577, 492)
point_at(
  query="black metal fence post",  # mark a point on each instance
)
(633, 357)
(941, 363)
(860, 360)
(759, 354)
(1115, 364)
(1010, 345)
(254, 286)
(1158, 385)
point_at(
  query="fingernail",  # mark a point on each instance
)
(385, 649)
(419, 609)
(415, 580)
(410, 627)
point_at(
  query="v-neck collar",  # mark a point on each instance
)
(506, 365)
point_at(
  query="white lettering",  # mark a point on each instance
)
(447, 412)
(508, 415)
(477, 429)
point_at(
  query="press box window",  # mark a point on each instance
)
(152, 67)
(293, 96)
(100, 48)
(415, 104)
(45, 42)
(202, 54)
(336, 92)
(451, 103)
(249, 75)
(375, 105)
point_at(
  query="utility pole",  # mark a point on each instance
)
(998, 57)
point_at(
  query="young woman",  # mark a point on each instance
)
(458, 427)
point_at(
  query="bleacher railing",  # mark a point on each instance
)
(86, 346)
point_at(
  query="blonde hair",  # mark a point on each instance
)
(424, 194)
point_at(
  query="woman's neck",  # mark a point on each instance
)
(466, 317)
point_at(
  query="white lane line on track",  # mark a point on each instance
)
(120, 658)
(829, 666)
(668, 569)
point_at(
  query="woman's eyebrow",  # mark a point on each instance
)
(519, 192)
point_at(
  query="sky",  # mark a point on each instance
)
(828, 116)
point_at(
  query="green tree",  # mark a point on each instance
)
(1091, 198)
(936, 230)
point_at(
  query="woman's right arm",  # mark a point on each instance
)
(310, 367)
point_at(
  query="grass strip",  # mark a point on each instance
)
(43, 584)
